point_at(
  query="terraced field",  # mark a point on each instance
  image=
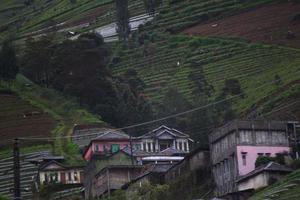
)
(273, 24)
(44, 16)
(173, 60)
(28, 174)
(19, 118)
(285, 189)
(39, 112)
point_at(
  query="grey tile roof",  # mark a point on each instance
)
(271, 166)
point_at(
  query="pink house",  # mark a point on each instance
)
(108, 142)
(236, 146)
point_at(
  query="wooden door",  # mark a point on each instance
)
(63, 177)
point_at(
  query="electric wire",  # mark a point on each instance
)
(156, 120)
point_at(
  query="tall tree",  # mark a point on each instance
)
(8, 62)
(37, 60)
(123, 26)
(152, 5)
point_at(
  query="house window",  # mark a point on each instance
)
(244, 159)
(69, 176)
(137, 146)
(114, 148)
(144, 146)
(268, 154)
(149, 146)
(97, 147)
(180, 146)
(75, 176)
(260, 154)
(104, 148)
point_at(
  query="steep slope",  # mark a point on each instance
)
(170, 63)
(274, 24)
(62, 111)
(20, 118)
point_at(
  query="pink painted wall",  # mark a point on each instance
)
(252, 154)
(107, 144)
(92, 148)
(88, 154)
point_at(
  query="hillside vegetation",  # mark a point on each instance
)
(285, 189)
(60, 112)
(173, 61)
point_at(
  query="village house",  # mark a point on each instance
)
(113, 148)
(53, 172)
(109, 142)
(97, 163)
(236, 146)
(163, 138)
(262, 176)
(114, 177)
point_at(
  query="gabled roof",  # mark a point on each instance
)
(164, 129)
(111, 134)
(271, 166)
(55, 165)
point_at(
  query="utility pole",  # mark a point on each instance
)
(131, 154)
(17, 190)
(296, 140)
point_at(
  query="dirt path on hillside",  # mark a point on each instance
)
(275, 24)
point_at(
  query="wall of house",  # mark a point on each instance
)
(153, 145)
(112, 179)
(96, 164)
(199, 160)
(71, 176)
(88, 154)
(259, 180)
(255, 182)
(251, 153)
(107, 145)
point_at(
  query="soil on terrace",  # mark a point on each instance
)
(274, 24)
(18, 118)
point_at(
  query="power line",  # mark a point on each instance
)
(156, 120)
(280, 108)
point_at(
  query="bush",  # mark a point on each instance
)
(296, 164)
(72, 148)
(3, 198)
(262, 160)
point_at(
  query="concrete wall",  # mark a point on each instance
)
(114, 178)
(199, 160)
(259, 180)
(251, 154)
(98, 163)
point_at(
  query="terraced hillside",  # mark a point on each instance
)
(50, 15)
(285, 189)
(274, 24)
(50, 113)
(19, 117)
(171, 62)
(45, 16)
(28, 174)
